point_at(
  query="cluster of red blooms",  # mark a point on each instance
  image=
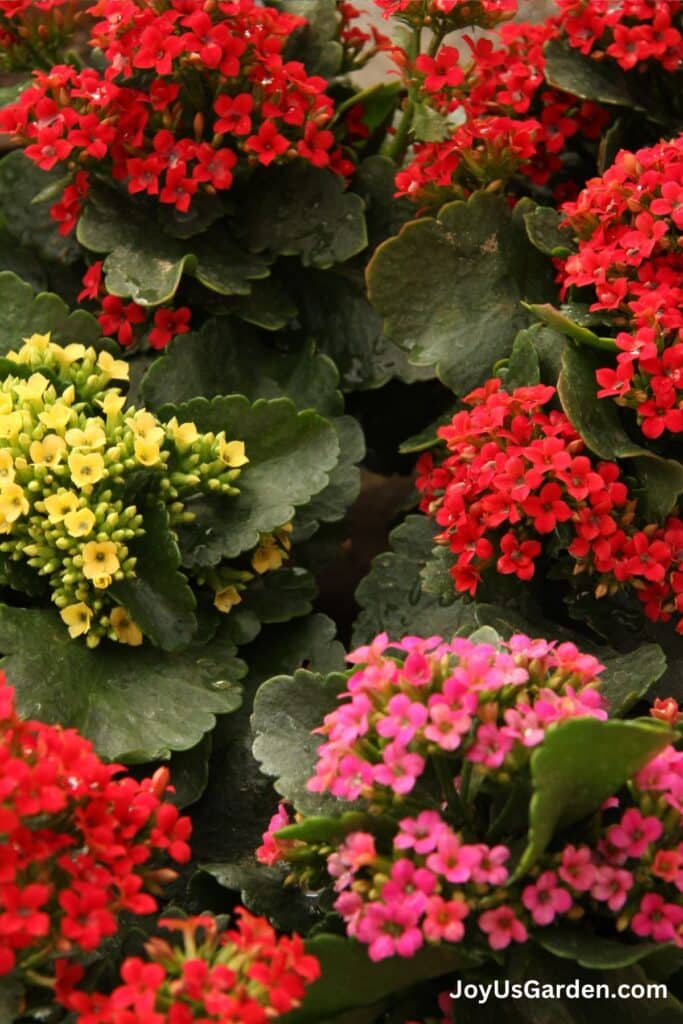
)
(32, 31)
(450, 14)
(119, 319)
(77, 842)
(629, 223)
(210, 86)
(631, 32)
(417, 879)
(246, 975)
(511, 120)
(517, 476)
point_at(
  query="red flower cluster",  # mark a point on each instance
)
(77, 842)
(451, 14)
(631, 32)
(629, 225)
(33, 31)
(517, 476)
(204, 89)
(243, 976)
(511, 121)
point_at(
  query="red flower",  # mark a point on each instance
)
(167, 324)
(118, 318)
(268, 144)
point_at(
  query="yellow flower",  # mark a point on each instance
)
(99, 559)
(226, 598)
(86, 469)
(56, 417)
(113, 402)
(102, 581)
(79, 522)
(70, 353)
(92, 437)
(34, 387)
(37, 344)
(77, 617)
(268, 555)
(6, 467)
(184, 434)
(49, 451)
(117, 369)
(146, 452)
(10, 425)
(146, 426)
(59, 505)
(232, 453)
(13, 503)
(124, 627)
(6, 402)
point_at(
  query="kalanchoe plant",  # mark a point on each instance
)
(494, 803)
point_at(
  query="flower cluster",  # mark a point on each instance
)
(33, 32)
(634, 33)
(628, 224)
(420, 712)
(79, 843)
(508, 120)
(246, 975)
(68, 453)
(450, 15)
(185, 94)
(518, 478)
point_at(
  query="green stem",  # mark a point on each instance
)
(397, 148)
(465, 777)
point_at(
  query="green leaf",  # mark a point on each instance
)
(468, 270)
(268, 305)
(330, 504)
(304, 643)
(593, 951)
(223, 266)
(385, 214)
(286, 709)
(602, 81)
(559, 321)
(159, 599)
(428, 124)
(522, 368)
(190, 772)
(28, 222)
(225, 358)
(290, 455)
(391, 596)
(263, 891)
(280, 596)
(350, 980)
(317, 43)
(11, 999)
(23, 313)
(428, 437)
(628, 677)
(544, 231)
(135, 704)
(580, 763)
(599, 424)
(301, 210)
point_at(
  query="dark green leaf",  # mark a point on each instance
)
(660, 485)
(428, 437)
(559, 321)
(317, 43)
(159, 599)
(280, 596)
(135, 704)
(544, 231)
(469, 268)
(385, 214)
(190, 772)
(580, 763)
(593, 951)
(522, 368)
(290, 455)
(300, 210)
(268, 305)
(602, 81)
(262, 891)
(286, 709)
(628, 677)
(23, 313)
(30, 223)
(391, 596)
(428, 124)
(223, 266)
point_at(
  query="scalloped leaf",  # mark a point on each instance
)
(602, 81)
(316, 43)
(29, 222)
(23, 313)
(159, 599)
(392, 598)
(301, 210)
(469, 268)
(290, 457)
(580, 763)
(134, 704)
(543, 226)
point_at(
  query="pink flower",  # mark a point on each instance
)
(422, 833)
(490, 868)
(502, 927)
(545, 899)
(612, 886)
(408, 886)
(634, 833)
(577, 868)
(452, 859)
(656, 919)
(389, 931)
(404, 718)
(446, 725)
(443, 919)
(399, 769)
(490, 747)
(357, 851)
(353, 777)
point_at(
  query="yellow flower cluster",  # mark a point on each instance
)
(69, 451)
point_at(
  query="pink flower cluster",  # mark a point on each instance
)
(420, 715)
(628, 224)
(459, 700)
